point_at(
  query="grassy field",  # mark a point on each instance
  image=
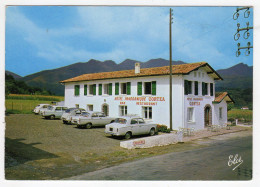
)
(241, 115)
(24, 104)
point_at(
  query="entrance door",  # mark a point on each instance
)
(207, 120)
(105, 109)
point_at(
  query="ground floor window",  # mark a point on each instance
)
(89, 107)
(147, 112)
(190, 115)
(122, 110)
(220, 113)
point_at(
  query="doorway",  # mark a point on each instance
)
(207, 116)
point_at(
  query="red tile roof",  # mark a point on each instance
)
(219, 96)
(156, 71)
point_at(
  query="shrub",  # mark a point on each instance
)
(163, 128)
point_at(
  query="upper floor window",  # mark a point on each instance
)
(204, 88)
(124, 87)
(149, 88)
(85, 89)
(92, 89)
(196, 85)
(187, 87)
(76, 90)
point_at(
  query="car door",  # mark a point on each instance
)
(58, 112)
(143, 127)
(134, 126)
(95, 119)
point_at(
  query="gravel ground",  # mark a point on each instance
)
(36, 148)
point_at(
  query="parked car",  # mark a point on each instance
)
(90, 119)
(129, 126)
(54, 112)
(69, 113)
(44, 109)
(37, 109)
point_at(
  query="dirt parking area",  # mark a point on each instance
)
(40, 149)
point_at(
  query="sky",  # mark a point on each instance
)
(48, 37)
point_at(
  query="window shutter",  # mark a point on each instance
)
(139, 88)
(85, 89)
(211, 89)
(189, 87)
(206, 88)
(76, 90)
(203, 88)
(110, 88)
(153, 87)
(94, 89)
(196, 88)
(100, 89)
(117, 88)
(128, 88)
(186, 87)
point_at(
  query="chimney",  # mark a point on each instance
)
(137, 68)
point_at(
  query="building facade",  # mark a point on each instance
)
(145, 92)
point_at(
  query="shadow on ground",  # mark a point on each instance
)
(17, 153)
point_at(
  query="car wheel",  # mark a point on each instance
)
(128, 135)
(52, 117)
(152, 132)
(88, 125)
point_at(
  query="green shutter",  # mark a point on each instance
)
(206, 88)
(128, 88)
(186, 87)
(203, 88)
(110, 88)
(211, 89)
(117, 88)
(85, 89)
(76, 90)
(139, 88)
(94, 89)
(196, 88)
(153, 87)
(100, 89)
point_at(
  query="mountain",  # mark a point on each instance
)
(15, 76)
(49, 79)
(238, 76)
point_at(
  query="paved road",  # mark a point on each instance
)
(207, 163)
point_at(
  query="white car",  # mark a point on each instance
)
(54, 112)
(89, 119)
(37, 109)
(44, 109)
(129, 126)
(68, 114)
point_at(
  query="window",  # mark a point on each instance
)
(106, 89)
(92, 89)
(126, 88)
(196, 88)
(76, 90)
(204, 88)
(147, 112)
(90, 107)
(190, 115)
(211, 89)
(148, 88)
(85, 89)
(122, 110)
(187, 87)
(57, 108)
(123, 88)
(220, 113)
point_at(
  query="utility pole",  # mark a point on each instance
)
(170, 35)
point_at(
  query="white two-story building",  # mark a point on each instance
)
(145, 92)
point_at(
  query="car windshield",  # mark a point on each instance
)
(120, 120)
